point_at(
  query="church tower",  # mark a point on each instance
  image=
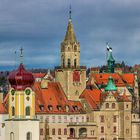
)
(22, 123)
(70, 74)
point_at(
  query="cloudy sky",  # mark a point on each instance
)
(39, 27)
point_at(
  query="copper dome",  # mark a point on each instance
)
(20, 78)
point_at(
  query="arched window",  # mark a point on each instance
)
(65, 131)
(69, 64)
(107, 105)
(75, 48)
(63, 62)
(11, 136)
(53, 131)
(82, 132)
(113, 105)
(102, 129)
(13, 111)
(75, 63)
(29, 136)
(72, 132)
(27, 111)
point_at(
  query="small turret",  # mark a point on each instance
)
(110, 85)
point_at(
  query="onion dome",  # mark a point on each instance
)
(110, 85)
(20, 78)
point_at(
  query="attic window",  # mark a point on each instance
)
(41, 107)
(59, 107)
(100, 76)
(75, 108)
(67, 108)
(116, 81)
(50, 107)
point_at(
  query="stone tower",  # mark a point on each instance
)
(22, 123)
(70, 74)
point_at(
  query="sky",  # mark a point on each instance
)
(39, 26)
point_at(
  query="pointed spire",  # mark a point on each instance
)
(70, 34)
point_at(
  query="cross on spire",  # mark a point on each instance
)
(21, 55)
(70, 12)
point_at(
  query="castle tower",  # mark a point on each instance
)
(70, 74)
(22, 123)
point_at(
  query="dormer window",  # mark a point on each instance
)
(41, 107)
(75, 108)
(50, 107)
(67, 108)
(59, 107)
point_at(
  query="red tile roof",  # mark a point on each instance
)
(93, 97)
(129, 79)
(54, 97)
(102, 78)
(39, 75)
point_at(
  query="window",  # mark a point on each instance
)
(27, 111)
(127, 106)
(11, 136)
(102, 119)
(107, 105)
(82, 118)
(102, 129)
(59, 119)
(69, 64)
(53, 131)
(77, 119)
(53, 119)
(41, 131)
(75, 48)
(29, 136)
(75, 63)
(50, 107)
(82, 132)
(59, 131)
(92, 132)
(87, 119)
(13, 111)
(114, 118)
(65, 118)
(47, 131)
(65, 131)
(71, 119)
(63, 62)
(113, 105)
(114, 129)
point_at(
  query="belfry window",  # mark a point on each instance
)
(75, 63)
(69, 63)
(27, 111)
(13, 111)
(29, 136)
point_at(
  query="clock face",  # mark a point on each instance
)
(12, 92)
(28, 91)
